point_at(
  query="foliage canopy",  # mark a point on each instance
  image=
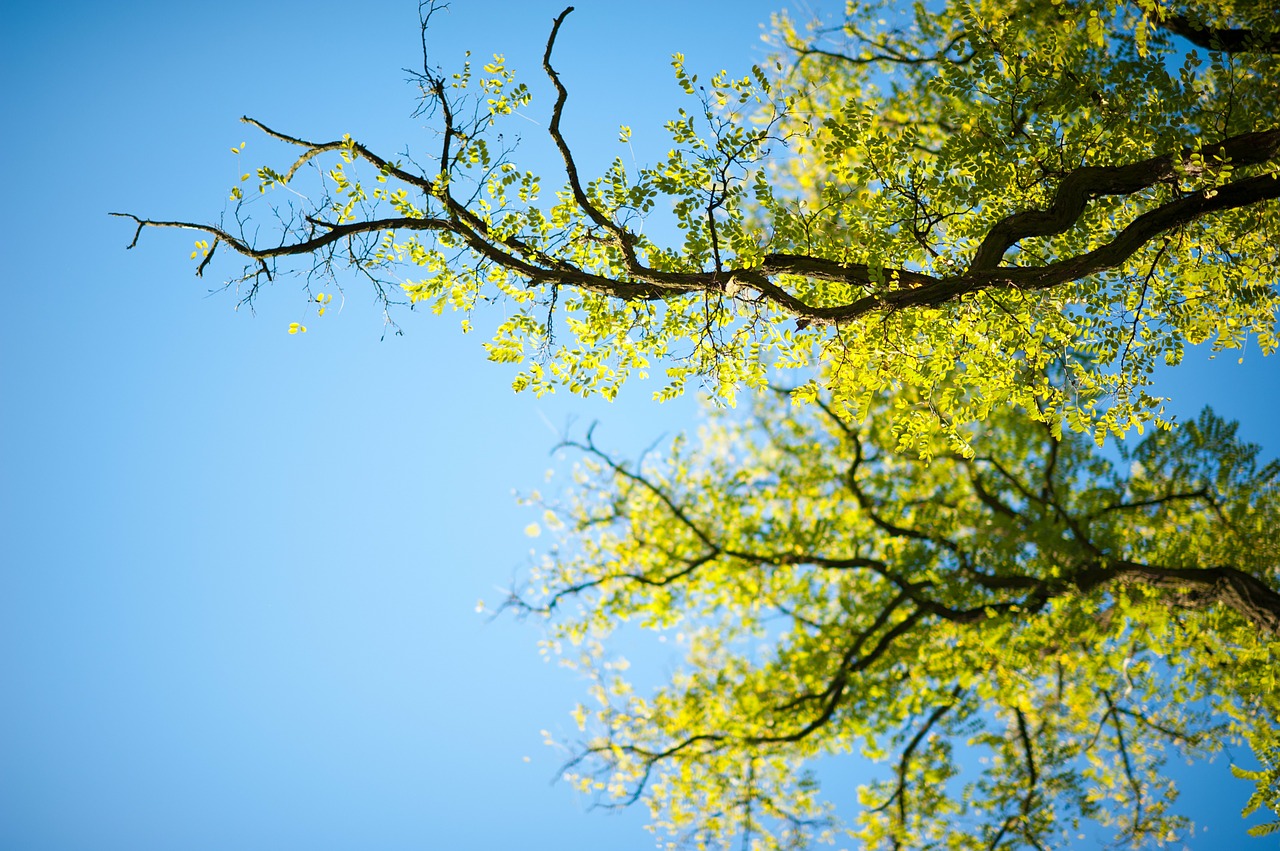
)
(991, 202)
(974, 228)
(1025, 634)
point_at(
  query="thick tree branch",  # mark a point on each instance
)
(1087, 182)
(1194, 587)
(1226, 39)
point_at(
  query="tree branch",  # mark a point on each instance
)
(904, 759)
(1196, 587)
(901, 288)
(1226, 39)
(1087, 182)
(623, 238)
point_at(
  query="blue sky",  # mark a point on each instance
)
(238, 569)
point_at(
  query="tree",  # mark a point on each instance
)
(996, 202)
(1025, 634)
(974, 230)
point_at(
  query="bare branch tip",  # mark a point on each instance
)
(137, 232)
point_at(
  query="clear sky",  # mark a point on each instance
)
(238, 568)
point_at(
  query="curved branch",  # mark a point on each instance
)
(1197, 587)
(1085, 183)
(851, 664)
(1175, 214)
(1226, 39)
(464, 222)
(335, 233)
(1183, 738)
(1028, 800)
(623, 237)
(314, 149)
(838, 681)
(620, 470)
(888, 52)
(890, 55)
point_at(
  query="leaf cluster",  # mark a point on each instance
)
(1022, 637)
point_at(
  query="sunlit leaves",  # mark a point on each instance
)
(917, 158)
(924, 210)
(891, 201)
(970, 622)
